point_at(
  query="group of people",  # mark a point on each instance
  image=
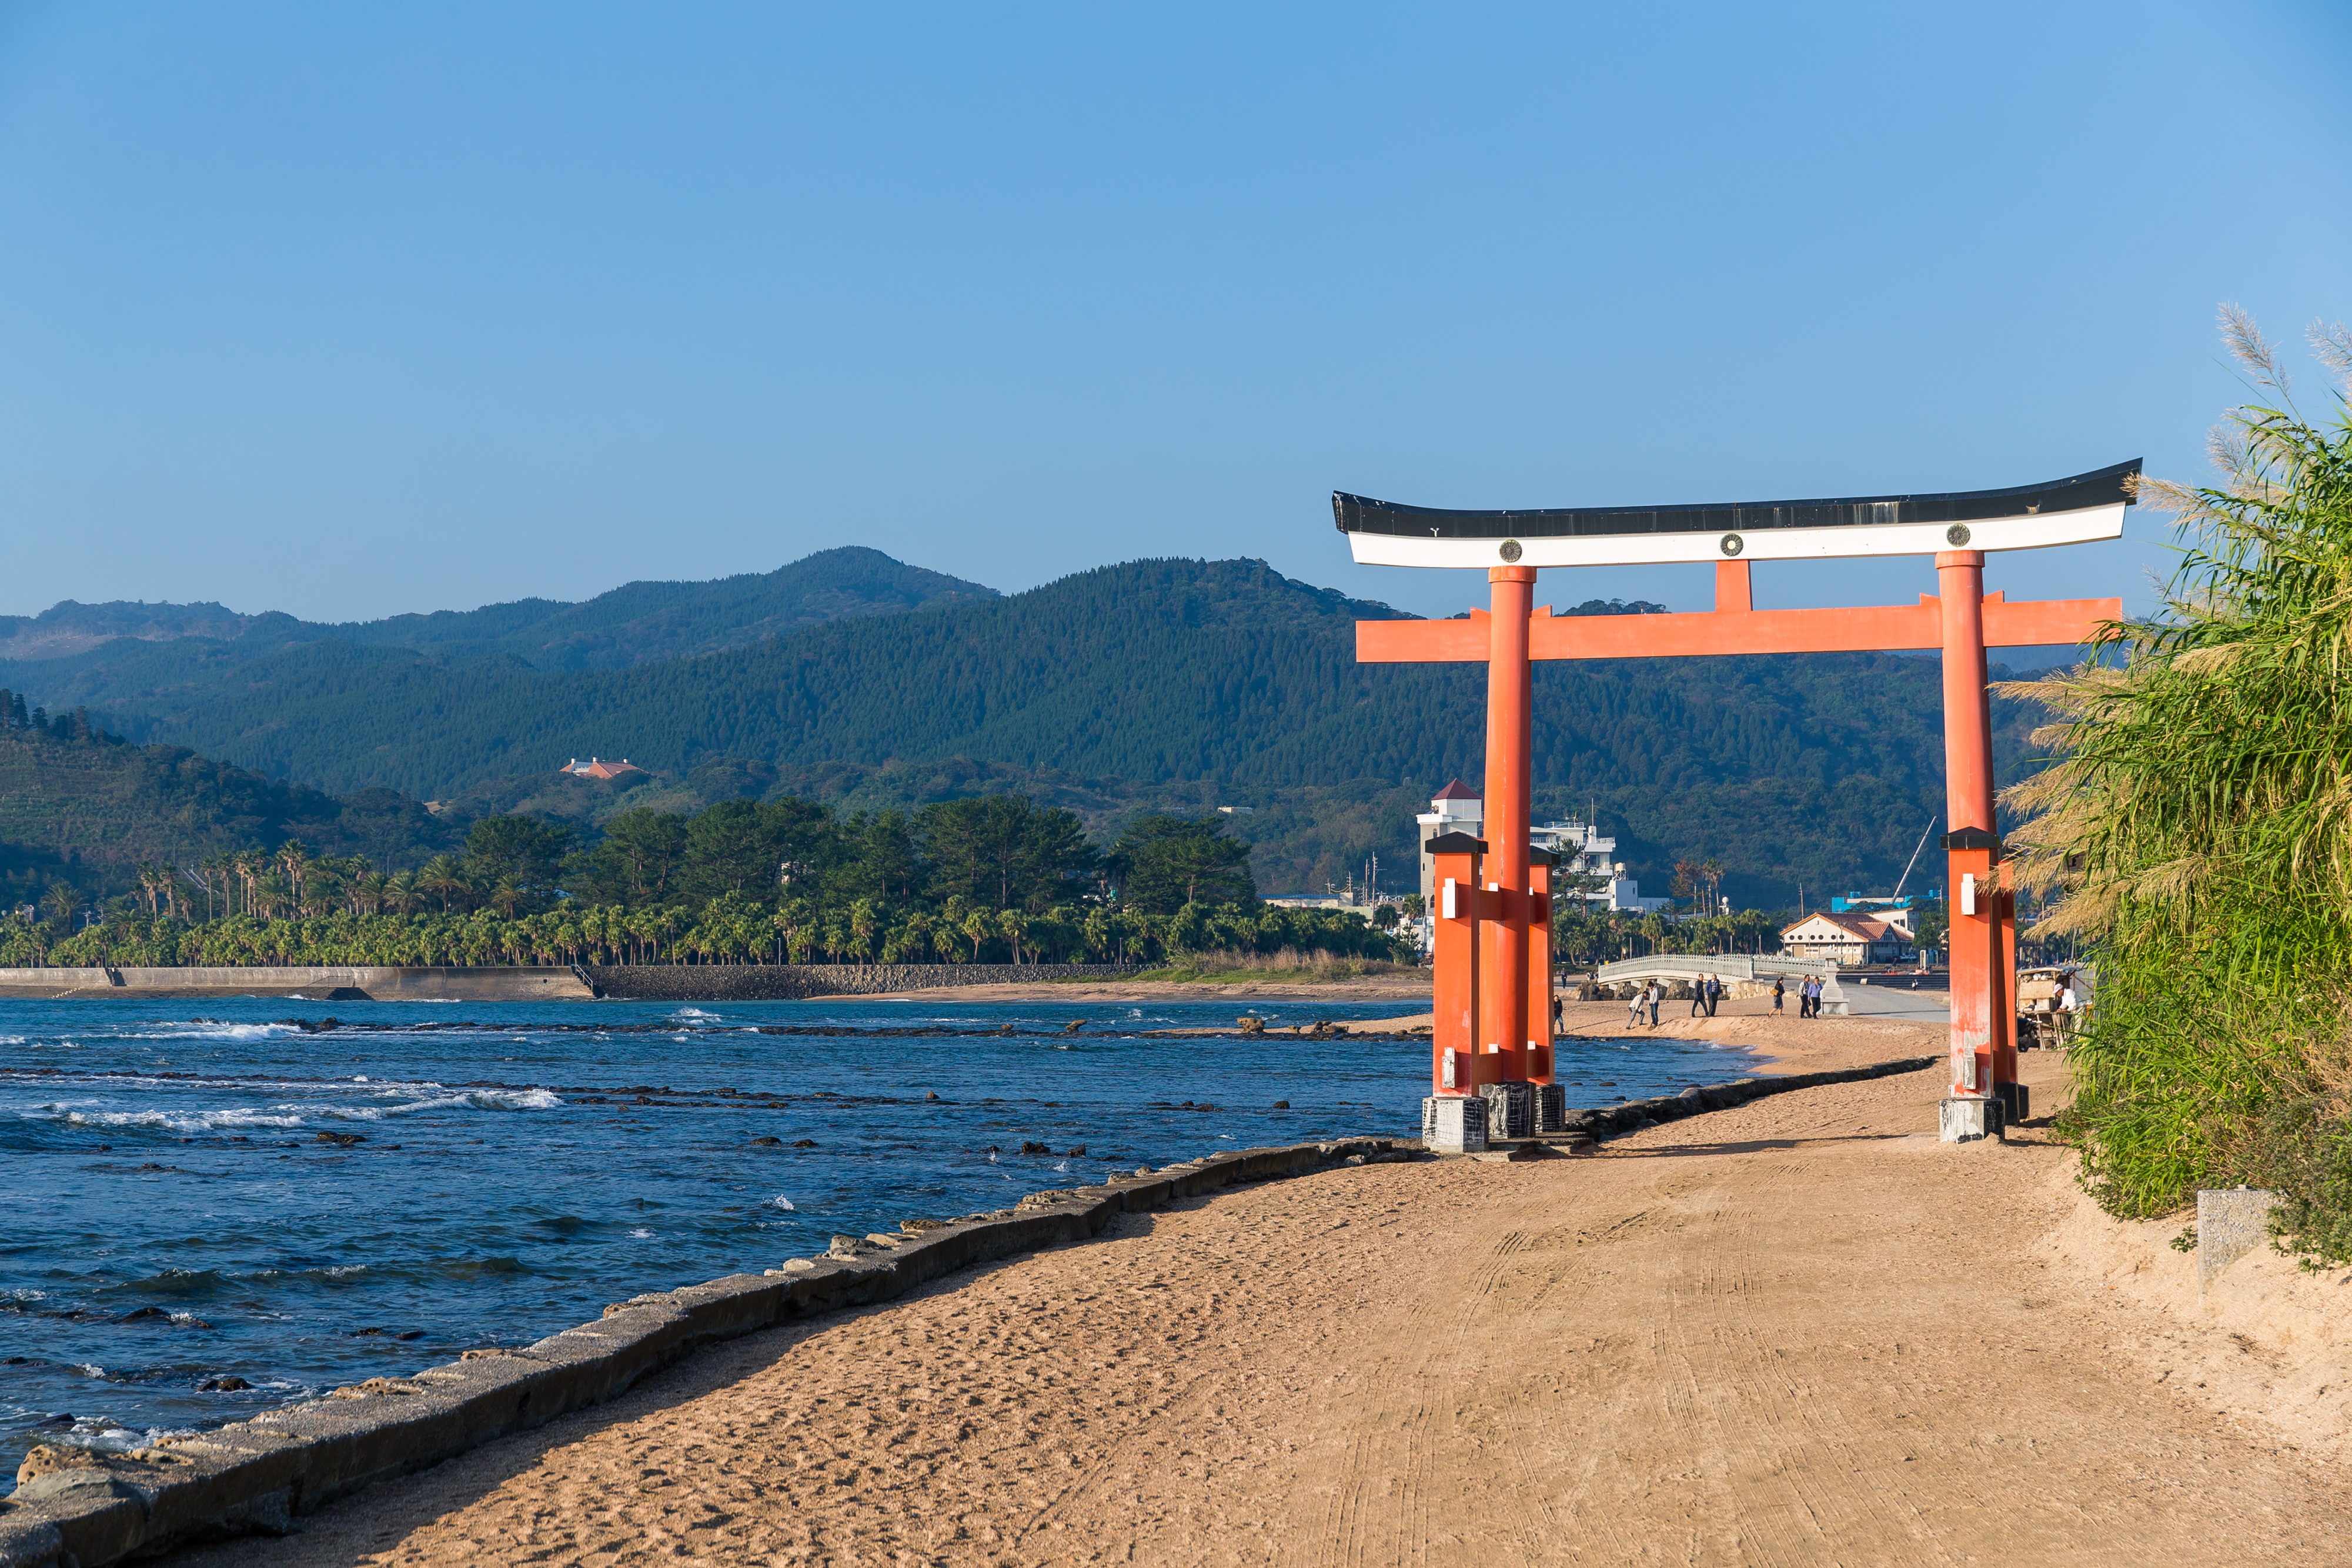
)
(1809, 995)
(1705, 992)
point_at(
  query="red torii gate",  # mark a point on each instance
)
(1492, 951)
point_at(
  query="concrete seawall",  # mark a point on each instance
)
(317, 982)
(795, 982)
(260, 1476)
(529, 982)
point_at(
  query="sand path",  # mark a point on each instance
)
(1801, 1331)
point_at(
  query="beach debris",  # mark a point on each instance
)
(785, 1204)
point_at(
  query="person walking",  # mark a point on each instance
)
(1805, 997)
(1657, 995)
(1714, 993)
(1698, 996)
(1779, 989)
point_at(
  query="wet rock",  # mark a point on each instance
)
(146, 1315)
(223, 1386)
(767, 1143)
(1282, 1104)
(1029, 1147)
(409, 1334)
(1250, 1025)
(342, 1140)
(1078, 1149)
(1073, 1026)
(930, 1094)
(804, 1143)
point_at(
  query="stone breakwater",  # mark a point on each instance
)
(259, 1476)
(799, 982)
(1608, 1121)
(536, 982)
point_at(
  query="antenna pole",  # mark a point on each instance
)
(1914, 857)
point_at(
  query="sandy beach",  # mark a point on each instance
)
(1798, 1332)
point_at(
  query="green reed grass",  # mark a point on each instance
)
(2197, 817)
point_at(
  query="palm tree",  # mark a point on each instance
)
(441, 880)
(62, 901)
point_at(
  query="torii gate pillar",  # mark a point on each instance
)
(1503, 1029)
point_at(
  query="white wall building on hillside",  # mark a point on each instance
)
(1583, 851)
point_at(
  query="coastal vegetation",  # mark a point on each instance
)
(988, 879)
(2199, 822)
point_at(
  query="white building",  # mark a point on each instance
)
(1582, 850)
(1848, 938)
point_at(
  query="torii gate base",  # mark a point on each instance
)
(1492, 1022)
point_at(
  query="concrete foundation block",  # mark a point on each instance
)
(2231, 1223)
(1510, 1109)
(1964, 1121)
(1550, 1108)
(1454, 1123)
(2016, 1102)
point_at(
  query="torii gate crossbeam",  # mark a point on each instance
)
(1494, 1021)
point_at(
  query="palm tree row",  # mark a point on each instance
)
(729, 929)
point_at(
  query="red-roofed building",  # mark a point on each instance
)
(1848, 939)
(598, 767)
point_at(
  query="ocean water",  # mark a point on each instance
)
(202, 1195)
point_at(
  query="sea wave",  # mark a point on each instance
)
(199, 1121)
(207, 1028)
(472, 1099)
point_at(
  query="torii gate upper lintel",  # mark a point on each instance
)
(1493, 1015)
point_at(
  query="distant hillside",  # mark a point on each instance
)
(91, 812)
(1130, 686)
(75, 653)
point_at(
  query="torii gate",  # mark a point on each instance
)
(1492, 951)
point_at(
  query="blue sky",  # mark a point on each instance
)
(353, 309)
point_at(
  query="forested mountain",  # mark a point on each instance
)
(103, 654)
(91, 812)
(1150, 684)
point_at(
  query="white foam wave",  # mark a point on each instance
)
(471, 1099)
(694, 1013)
(193, 1030)
(186, 1120)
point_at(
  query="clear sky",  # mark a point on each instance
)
(349, 309)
